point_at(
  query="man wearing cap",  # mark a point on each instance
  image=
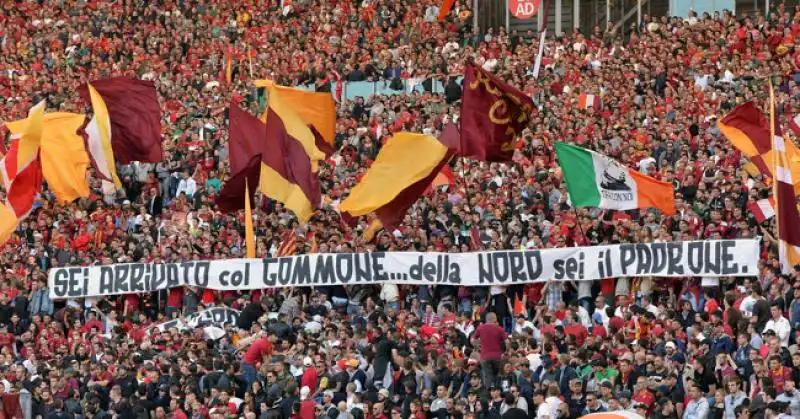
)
(605, 392)
(627, 374)
(327, 403)
(307, 405)
(643, 395)
(310, 375)
(602, 371)
(357, 376)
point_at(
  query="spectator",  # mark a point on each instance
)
(492, 343)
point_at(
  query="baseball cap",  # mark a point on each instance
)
(671, 345)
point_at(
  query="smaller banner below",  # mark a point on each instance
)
(217, 316)
(523, 9)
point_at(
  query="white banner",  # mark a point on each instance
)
(674, 259)
(215, 316)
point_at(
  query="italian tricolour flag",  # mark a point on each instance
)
(595, 180)
(586, 101)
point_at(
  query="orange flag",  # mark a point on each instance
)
(445, 8)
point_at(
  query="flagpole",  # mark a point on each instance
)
(467, 194)
(250, 61)
(580, 227)
(776, 224)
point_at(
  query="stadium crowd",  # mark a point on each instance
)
(697, 348)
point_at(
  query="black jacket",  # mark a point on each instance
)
(249, 315)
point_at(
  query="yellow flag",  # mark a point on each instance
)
(374, 227)
(249, 234)
(98, 139)
(64, 157)
(314, 108)
(8, 223)
(751, 169)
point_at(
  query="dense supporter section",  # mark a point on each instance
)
(715, 337)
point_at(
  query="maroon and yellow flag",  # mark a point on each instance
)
(281, 153)
(493, 114)
(787, 214)
(288, 244)
(135, 117)
(404, 168)
(316, 109)
(748, 129)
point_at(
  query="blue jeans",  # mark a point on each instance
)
(250, 375)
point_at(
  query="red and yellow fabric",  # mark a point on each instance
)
(97, 136)
(748, 129)
(64, 157)
(787, 214)
(404, 168)
(280, 156)
(316, 109)
(22, 170)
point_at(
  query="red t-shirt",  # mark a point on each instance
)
(175, 297)
(87, 328)
(492, 337)
(309, 379)
(257, 350)
(645, 397)
(779, 377)
(577, 330)
(307, 409)
(599, 331)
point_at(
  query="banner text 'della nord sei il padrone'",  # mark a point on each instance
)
(675, 259)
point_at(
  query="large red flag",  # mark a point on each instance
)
(493, 114)
(135, 117)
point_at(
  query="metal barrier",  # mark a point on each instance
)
(367, 89)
